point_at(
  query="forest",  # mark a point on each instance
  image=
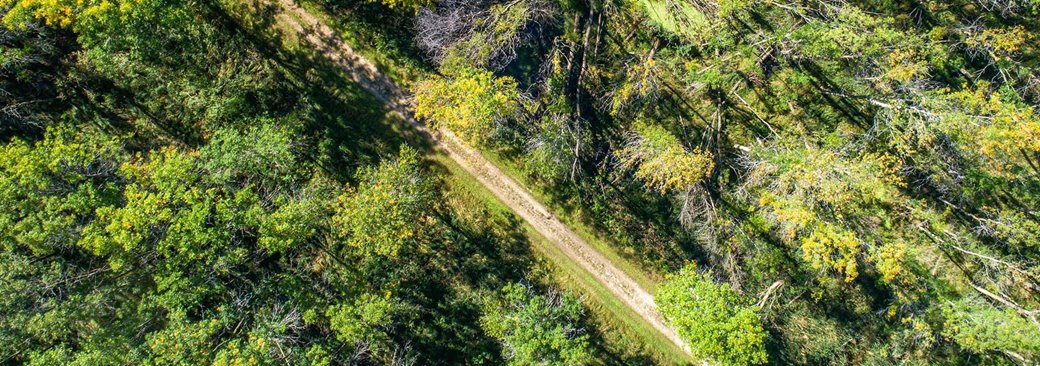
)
(519, 182)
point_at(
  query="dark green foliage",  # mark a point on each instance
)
(168, 257)
(179, 190)
(30, 71)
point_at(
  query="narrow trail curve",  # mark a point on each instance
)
(508, 191)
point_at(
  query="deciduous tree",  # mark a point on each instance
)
(537, 329)
(473, 103)
(715, 321)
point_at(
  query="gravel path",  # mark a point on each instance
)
(508, 191)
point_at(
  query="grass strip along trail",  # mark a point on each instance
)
(371, 79)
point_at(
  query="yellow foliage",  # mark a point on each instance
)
(55, 13)
(413, 5)
(675, 168)
(1000, 42)
(468, 103)
(890, 261)
(904, 65)
(662, 162)
(182, 341)
(998, 131)
(73, 14)
(827, 203)
(830, 247)
(641, 82)
(791, 215)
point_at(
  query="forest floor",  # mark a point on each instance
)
(510, 193)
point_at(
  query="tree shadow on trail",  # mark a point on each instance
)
(346, 127)
(475, 251)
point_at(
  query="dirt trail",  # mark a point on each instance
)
(508, 191)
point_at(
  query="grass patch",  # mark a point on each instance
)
(661, 16)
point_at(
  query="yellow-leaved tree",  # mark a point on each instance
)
(470, 103)
(828, 205)
(78, 15)
(661, 161)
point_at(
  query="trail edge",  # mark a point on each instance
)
(366, 75)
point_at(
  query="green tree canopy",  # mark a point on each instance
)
(385, 215)
(715, 321)
(536, 329)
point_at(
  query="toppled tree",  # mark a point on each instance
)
(479, 33)
(661, 161)
(977, 326)
(822, 202)
(557, 147)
